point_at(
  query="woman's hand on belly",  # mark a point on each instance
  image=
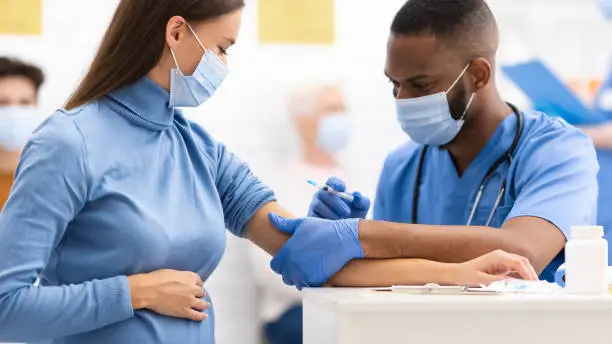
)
(169, 292)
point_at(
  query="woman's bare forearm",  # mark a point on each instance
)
(388, 272)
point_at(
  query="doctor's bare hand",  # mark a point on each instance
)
(495, 266)
(169, 292)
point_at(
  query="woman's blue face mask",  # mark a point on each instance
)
(195, 89)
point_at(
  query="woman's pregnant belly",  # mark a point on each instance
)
(147, 327)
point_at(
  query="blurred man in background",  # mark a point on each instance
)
(19, 85)
(319, 114)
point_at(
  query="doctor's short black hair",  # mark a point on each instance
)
(447, 20)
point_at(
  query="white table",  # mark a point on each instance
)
(358, 316)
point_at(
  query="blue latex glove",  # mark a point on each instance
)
(317, 249)
(326, 205)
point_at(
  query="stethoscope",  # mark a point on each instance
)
(506, 157)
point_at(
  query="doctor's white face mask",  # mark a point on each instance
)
(193, 90)
(428, 120)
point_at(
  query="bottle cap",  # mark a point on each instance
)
(587, 232)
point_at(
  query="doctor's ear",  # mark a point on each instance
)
(481, 72)
(175, 30)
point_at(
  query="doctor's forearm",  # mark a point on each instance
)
(439, 243)
(262, 233)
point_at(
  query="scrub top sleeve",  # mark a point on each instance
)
(379, 201)
(50, 188)
(388, 182)
(556, 180)
(242, 194)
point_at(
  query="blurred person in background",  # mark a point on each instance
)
(602, 138)
(322, 124)
(19, 116)
(319, 115)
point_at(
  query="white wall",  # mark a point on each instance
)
(247, 113)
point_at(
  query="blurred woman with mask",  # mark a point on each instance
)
(318, 113)
(322, 126)
(19, 85)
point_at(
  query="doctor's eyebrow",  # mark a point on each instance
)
(411, 79)
(231, 41)
(417, 78)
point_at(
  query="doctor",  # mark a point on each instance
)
(479, 174)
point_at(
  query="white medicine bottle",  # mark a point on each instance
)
(586, 261)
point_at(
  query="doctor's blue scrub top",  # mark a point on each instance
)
(604, 156)
(120, 186)
(553, 176)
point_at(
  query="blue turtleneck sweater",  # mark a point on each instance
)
(120, 186)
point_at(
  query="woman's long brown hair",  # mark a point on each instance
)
(135, 40)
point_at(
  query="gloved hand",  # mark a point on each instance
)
(326, 205)
(317, 249)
